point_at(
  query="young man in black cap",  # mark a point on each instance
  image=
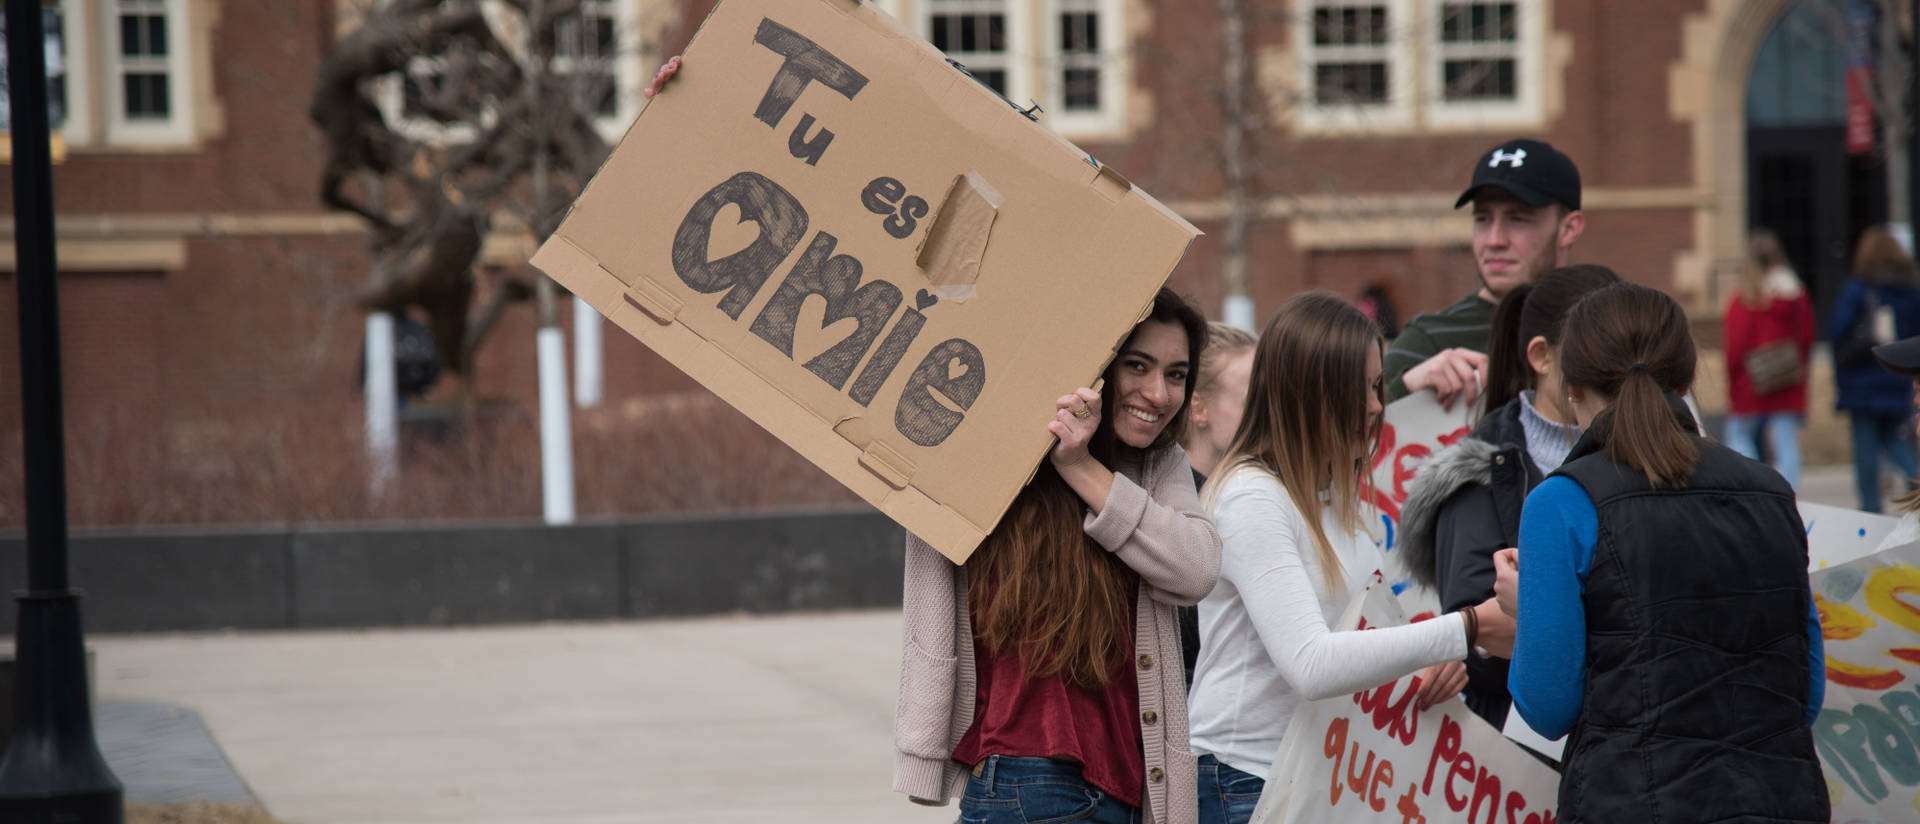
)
(1526, 215)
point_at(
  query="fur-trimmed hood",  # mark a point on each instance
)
(1469, 461)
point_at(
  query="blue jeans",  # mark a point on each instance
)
(1018, 790)
(1227, 795)
(1873, 436)
(1783, 440)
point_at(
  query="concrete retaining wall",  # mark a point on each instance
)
(287, 577)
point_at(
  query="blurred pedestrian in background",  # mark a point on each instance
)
(1878, 304)
(1768, 331)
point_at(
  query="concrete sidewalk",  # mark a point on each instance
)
(732, 719)
(720, 720)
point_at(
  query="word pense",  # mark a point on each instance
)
(863, 250)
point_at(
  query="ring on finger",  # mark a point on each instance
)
(1082, 412)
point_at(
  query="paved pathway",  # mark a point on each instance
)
(719, 720)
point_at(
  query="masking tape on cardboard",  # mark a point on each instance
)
(647, 295)
(1111, 184)
(956, 242)
(886, 462)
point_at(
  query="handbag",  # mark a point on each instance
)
(1774, 366)
(1868, 328)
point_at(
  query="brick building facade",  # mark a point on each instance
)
(205, 290)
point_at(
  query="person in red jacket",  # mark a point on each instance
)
(1769, 330)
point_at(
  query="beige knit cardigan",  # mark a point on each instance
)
(1153, 521)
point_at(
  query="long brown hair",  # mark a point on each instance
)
(1039, 586)
(1533, 310)
(1631, 344)
(1307, 414)
(1879, 259)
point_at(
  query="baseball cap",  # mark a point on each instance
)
(1531, 170)
(1901, 357)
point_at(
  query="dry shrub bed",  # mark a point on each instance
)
(674, 453)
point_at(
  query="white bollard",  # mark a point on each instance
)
(587, 382)
(556, 438)
(383, 429)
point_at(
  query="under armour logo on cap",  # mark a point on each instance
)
(1515, 158)
(1531, 170)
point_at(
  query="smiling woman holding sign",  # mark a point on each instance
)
(1042, 680)
(1664, 611)
(1287, 501)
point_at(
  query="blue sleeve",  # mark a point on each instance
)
(1558, 528)
(1816, 663)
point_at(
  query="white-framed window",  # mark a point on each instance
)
(1085, 84)
(1354, 69)
(1399, 64)
(1484, 66)
(1065, 55)
(65, 100)
(986, 36)
(146, 82)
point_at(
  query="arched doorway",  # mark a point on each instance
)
(1801, 183)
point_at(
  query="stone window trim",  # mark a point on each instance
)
(177, 50)
(1069, 56)
(1524, 53)
(1416, 62)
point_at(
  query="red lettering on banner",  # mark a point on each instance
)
(1488, 788)
(1515, 803)
(1385, 502)
(1454, 437)
(1445, 747)
(1408, 810)
(1402, 473)
(1357, 782)
(1398, 719)
(1462, 768)
(1382, 777)
(1336, 746)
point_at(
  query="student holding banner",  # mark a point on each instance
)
(1042, 681)
(1287, 502)
(1465, 503)
(1664, 613)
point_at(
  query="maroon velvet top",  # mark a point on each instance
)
(1016, 715)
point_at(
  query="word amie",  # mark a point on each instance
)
(1463, 785)
(952, 374)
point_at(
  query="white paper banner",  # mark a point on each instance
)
(1415, 428)
(1373, 757)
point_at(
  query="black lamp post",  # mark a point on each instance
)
(53, 770)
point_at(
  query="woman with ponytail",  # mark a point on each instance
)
(1661, 589)
(1465, 503)
(1287, 501)
(1041, 681)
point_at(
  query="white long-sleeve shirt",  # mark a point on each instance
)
(1265, 636)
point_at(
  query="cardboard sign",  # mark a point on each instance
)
(1374, 757)
(868, 253)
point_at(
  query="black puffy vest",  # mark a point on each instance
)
(1697, 675)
